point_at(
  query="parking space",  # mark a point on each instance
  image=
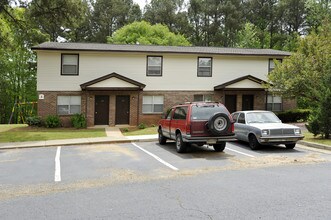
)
(137, 160)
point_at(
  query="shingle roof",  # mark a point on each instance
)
(158, 49)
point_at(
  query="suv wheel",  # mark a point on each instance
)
(219, 147)
(162, 139)
(218, 123)
(180, 145)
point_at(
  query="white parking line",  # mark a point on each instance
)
(156, 157)
(57, 177)
(249, 155)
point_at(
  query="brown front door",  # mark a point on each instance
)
(231, 103)
(101, 110)
(248, 102)
(122, 109)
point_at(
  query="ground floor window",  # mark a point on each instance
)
(274, 103)
(68, 105)
(202, 98)
(153, 104)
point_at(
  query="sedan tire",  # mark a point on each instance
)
(290, 146)
(253, 143)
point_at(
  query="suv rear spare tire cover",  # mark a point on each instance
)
(219, 123)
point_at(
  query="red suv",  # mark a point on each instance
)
(200, 123)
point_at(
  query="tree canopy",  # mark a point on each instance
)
(147, 34)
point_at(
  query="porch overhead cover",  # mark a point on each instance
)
(247, 82)
(112, 81)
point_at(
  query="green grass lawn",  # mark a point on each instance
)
(136, 131)
(19, 133)
(318, 139)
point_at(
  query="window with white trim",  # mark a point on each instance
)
(272, 64)
(69, 64)
(68, 105)
(202, 98)
(153, 104)
(154, 66)
(274, 103)
(204, 66)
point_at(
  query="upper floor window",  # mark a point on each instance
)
(203, 98)
(204, 66)
(152, 104)
(272, 64)
(154, 66)
(274, 103)
(68, 105)
(70, 63)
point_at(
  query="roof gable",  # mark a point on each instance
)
(246, 82)
(112, 81)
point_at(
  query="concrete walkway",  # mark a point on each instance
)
(114, 135)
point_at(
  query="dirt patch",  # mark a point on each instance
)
(112, 148)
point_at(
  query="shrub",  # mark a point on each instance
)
(142, 126)
(34, 121)
(52, 121)
(125, 130)
(313, 125)
(294, 115)
(78, 121)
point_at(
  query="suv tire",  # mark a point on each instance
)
(162, 139)
(219, 123)
(180, 145)
(219, 147)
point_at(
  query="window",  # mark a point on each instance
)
(69, 64)
(180, 113)
(241, 118)
(274, 103)
(202, 98)
(68, 105)
(235, 117)
(204, 66)
(272, 64)
(154, 66)
(152, 104)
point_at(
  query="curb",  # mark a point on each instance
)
(22, 145)
(315, 145)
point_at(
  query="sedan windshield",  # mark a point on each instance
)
(262, 117)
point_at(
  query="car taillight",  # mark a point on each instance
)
(188, 129)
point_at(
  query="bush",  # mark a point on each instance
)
(125, 130)
(34, 121)
(294, 115)
(52, 121)
(313, 125)
(142, 126)
(78, 121)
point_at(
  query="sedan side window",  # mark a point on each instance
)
(241, 118)
(235, 117)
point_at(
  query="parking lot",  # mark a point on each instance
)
(142, 159)
(144, 180)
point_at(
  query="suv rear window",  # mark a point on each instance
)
(204, 112)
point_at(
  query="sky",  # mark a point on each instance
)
(141, 3)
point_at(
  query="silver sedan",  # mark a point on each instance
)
(263, 128)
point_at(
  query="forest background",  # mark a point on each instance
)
(276, 24)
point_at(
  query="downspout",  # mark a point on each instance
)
(138, 107)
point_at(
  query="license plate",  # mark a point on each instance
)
(211, 141)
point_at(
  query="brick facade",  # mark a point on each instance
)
(48, 105)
